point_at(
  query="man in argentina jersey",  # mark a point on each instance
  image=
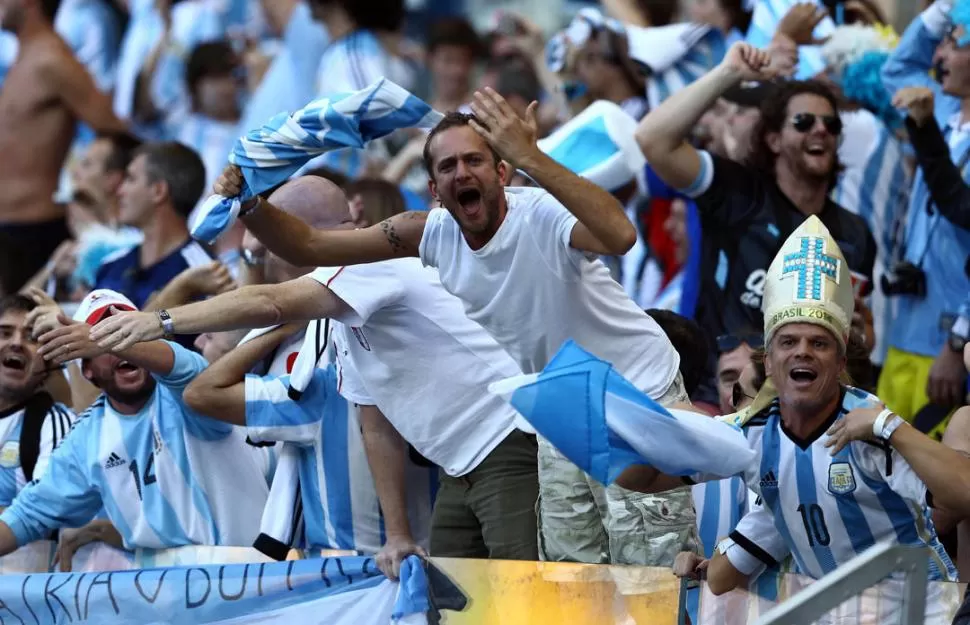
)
(31, 423)
(339, 499)
(165, 476)
(829, 498)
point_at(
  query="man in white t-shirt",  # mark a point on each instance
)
(405, 345)
(524, 263)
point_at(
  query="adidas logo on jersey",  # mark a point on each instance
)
(768, 480)
(114, 460)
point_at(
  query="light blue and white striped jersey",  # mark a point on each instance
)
(828, 509)
(57, 423)
(166, 476)
(290, 82)
(193, 22)
(719, 505)
(350, 64)
(933, 243)
(701, 58)
(764, 22)
(340, 505)
(875, 184)
(93, 32)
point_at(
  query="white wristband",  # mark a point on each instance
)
(880, 422)
(891, 426)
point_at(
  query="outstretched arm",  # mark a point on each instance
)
(944, 471)
(219, 392)
(662, 134)
(297, 243)
(256, 306)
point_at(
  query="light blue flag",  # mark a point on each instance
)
(599, 145)
(603, 424)
(336, 591)
(273, 153)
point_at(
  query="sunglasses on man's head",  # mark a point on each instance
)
(730, 342)
(803, 122)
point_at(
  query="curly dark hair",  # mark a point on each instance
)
(774, 112)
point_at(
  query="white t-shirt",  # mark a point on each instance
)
(532, 291)
(407, 347)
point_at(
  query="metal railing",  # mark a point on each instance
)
(853, 578)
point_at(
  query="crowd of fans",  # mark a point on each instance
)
(733, 120)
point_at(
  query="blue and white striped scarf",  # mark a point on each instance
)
(271, 154)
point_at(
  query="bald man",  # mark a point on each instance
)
(405, 346)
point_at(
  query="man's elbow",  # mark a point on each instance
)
(722, 577)
(267, 308)
(195, 396)
(625, 240)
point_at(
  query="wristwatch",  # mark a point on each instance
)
(251, 259)
(168, 326)
(959, 334)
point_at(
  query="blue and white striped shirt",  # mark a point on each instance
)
(166, 477)
(875, 184)
(350, 64)
(57, 424)
(702, 57)
(340, 505)
(764, 22)
(828, 509)
(932, 242)
(93, 32)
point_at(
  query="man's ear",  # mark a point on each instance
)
(505, 172)
(433, 189)
(113, 180)
(159, 191)
(88, 372)
(773, 141)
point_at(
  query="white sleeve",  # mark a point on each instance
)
(366, 289)
(431, 237)
(550, 224)
(56, 426)
(756, 542)
(271, 415)
(350, 384)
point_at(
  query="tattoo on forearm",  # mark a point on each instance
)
(397, 245)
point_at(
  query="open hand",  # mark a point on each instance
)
(70, 341)
(855, 426)
(44, 317)
(749, 63)
(512, 137)
(210, 279)
(799, 23)
(918, 102)
(125, 328)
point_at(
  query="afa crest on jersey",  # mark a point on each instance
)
(841, 478)
(10, 455)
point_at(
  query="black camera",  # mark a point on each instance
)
(904, 279)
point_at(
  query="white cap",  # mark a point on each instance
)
(95, 306)
(809, 282)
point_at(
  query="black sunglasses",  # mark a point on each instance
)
(730, 342)
(803, 122)
(737, 394)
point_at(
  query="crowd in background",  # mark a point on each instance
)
(720, 174)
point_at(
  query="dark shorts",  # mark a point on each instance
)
(25, 248)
